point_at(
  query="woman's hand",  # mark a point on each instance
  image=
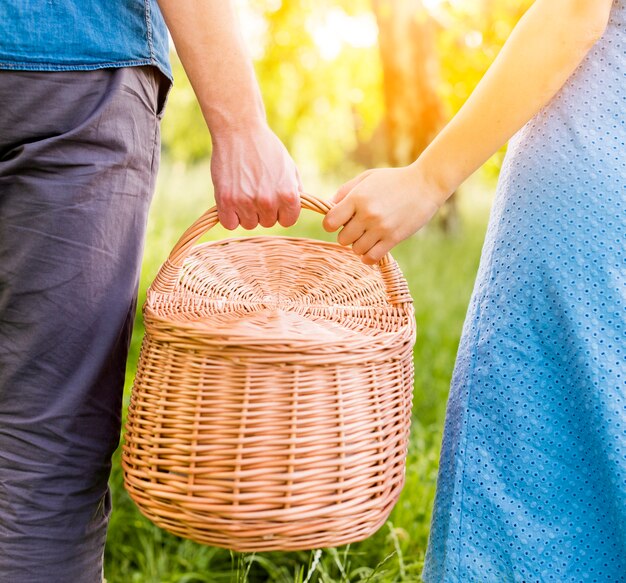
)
(255, 179)
(380, 208)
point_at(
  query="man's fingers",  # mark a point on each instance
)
(248, 221)
(266, 207)
(338, 215)
(247, 215)
(299, 181)
(228, 218)
(264, 210)
(289, 209)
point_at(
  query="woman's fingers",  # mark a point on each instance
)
(352, 231)
(365, 242)
(338, 215)
(348, 186)
(380, 208)
(376, 253)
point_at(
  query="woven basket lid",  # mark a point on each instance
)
(272, 293)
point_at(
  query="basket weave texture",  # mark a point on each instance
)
(272, 403)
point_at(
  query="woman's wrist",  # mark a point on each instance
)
(435, 180)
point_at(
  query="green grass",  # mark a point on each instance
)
(440, 269)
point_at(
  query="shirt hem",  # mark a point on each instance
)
(31, 66)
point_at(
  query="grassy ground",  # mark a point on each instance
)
(440, 270)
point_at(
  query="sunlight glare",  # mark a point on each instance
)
(254, 28)
(433, 5)
(338, 29)
(438, 6)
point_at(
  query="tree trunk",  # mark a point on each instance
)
(414, 112)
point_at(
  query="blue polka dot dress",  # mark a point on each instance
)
(532, 477)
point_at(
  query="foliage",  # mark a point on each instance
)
(470, 36)
(184, 134)
(322, 94)
(320, 72)
(440, 270)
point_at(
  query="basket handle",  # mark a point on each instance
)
(165, 281)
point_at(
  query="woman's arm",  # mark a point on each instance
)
(255, 179)
(380, 208)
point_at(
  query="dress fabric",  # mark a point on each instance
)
(532, 477)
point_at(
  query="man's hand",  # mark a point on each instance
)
(255, 179)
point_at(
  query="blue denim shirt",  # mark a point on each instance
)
(62, 35)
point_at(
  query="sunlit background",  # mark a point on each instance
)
(355, 83)
(347, 85)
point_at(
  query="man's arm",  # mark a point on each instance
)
(255, 179)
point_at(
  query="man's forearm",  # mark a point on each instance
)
(210, 45)
(255, 180)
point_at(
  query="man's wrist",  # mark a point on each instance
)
(226, 121)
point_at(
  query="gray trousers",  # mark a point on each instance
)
(79, 152)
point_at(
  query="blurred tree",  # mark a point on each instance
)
(333, 94)
(414, 112)
(321, 77)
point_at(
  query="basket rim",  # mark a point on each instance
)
(173, 331)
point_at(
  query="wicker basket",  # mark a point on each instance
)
(272, 403)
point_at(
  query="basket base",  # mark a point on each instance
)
(267, 535)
